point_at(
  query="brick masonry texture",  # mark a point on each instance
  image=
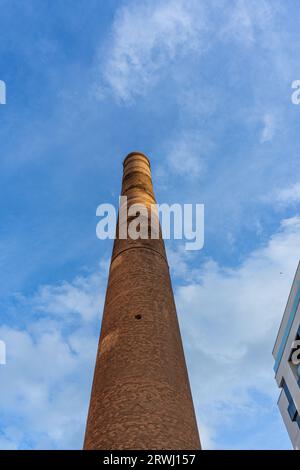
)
(140, 396)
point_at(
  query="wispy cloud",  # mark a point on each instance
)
(229, 319)
(46, 381)
(187, 154)
(147, 37)
(289, 195)
(81, 297)
(246, 19)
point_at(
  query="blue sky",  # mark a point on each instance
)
(204, 89)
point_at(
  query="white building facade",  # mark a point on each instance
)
(286, 354)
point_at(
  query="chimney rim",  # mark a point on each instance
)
(131, 154)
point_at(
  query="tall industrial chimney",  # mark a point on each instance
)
(140, 397)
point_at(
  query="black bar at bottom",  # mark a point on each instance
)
(134, 459)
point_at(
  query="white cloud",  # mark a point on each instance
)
(79, 297)
(46, 382)
(187, 154)
(246, 18)
(148, 37)
(43, 389)
(289, 195)
(229, 319)
(269, 127)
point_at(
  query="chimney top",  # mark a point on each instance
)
(132, 154)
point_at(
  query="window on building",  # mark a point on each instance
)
(292, 410)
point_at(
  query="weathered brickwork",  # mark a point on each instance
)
(140, 396)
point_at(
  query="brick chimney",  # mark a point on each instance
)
(140, 397)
